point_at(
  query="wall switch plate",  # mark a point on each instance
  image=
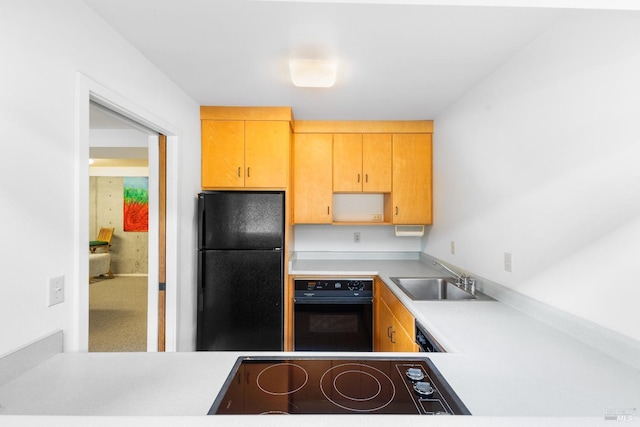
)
(507, 262)
(356, 237)
(453, 247)
(56, 290)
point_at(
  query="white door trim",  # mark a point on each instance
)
(89, 90)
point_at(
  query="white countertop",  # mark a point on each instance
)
(501, 363)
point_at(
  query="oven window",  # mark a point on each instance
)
(333, 323)
(333, 327)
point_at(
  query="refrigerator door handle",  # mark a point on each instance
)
(200, 284)
(201, 223)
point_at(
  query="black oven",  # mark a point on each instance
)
(333, 314)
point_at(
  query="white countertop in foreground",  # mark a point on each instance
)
(507, 368)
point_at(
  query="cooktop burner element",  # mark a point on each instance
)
(269, 380)
(357, 387)
(316, 385)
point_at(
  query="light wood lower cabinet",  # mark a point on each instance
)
(394, 325)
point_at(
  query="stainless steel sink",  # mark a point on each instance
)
(434, 288)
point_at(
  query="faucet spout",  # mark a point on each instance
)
(462, 280)
(459, 277)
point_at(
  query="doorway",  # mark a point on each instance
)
(118, 202)
(89, 91)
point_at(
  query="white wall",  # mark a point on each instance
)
(44, 44)
(339, 238)
(541, 160)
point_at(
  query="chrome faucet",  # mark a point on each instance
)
(463, 280)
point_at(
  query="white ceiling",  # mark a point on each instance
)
(396, 61)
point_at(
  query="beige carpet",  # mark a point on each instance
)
(118, 314)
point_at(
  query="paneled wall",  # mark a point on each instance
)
(129, 250)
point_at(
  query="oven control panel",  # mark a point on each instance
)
(333, 287)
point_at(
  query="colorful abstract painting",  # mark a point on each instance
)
(136, 204)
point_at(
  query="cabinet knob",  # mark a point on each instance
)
(366, 177)
(239, 169)
(249, 172)
(396, 210)
(358, 178)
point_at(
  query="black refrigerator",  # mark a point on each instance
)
(240, 270)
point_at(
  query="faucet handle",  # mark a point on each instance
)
(472, 285)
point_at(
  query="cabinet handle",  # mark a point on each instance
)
(392, 340)
(358, 178)
(389, 331)
(396, 210)
(249, 172)
(239, 169)
(327, 210)
(366, 177)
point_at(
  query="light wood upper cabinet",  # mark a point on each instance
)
(347, 162)
(312, 195)
(266, 155)
(376, 162)
(245, 147)
(362, 163)
(222, 153)
(237, 154)
(412, 189)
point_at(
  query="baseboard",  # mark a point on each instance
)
(131, 275)
(19, 361)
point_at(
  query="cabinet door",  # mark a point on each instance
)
(222, 153)
(411, 195)
(347, 162)
(384, 327)
(266, 153)
(402, 339)
(312, 196)
(376, 163)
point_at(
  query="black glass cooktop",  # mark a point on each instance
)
(336, 386)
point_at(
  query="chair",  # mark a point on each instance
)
(103, 240)
(100, 262)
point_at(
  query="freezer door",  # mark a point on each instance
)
(240, 301)
(241, 220)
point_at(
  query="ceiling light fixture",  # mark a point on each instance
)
(313, 72)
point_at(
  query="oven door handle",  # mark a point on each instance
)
(329, 300)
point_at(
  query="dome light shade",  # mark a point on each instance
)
(313, 72)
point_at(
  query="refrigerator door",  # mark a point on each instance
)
(240, 300)
(241, 220)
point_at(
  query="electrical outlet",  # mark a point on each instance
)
(56, 290)
(356, 237)
(453, 247)
(376, 217)
(507, 262)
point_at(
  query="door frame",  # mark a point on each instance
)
(89, 90)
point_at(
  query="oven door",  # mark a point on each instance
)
(333, 325)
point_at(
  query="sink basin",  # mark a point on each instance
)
(432, 288)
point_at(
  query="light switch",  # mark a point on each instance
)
(507, 262)
(56, 290)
